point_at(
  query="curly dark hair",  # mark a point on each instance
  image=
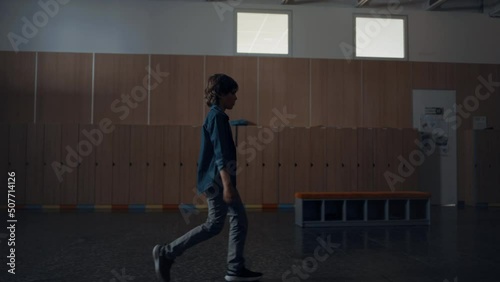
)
(219, 85)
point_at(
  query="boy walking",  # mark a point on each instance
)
(217, 180)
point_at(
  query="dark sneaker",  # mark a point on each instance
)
(243, 275)
(162, 265)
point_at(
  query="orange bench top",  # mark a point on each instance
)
(363, 195)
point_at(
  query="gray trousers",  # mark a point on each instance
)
(217, 211)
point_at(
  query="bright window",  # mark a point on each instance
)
(377, 37)
(262, 33)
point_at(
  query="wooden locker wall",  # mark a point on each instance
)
(317, 145)
(51, 159)
(244, 71)
(285, 166)
(284, 82)
(270, 158)
(64, 90)
(69, 149)
(17, 159)
(190, 147)
(244, 151)
(426, 75)
(34, 167)
(394, 151)
(302, 160)
(365, 159)
(387, 94)
(104, 168)
(253, 168)
(336, 93)
(333, 163)
(17, 86)
(381, 159)
(410, 154)
(117, 75)
(177, 98)
(140, 163)
(172, 188)
(347, 138)
(87, 167)
(121, 165)
(155, 158)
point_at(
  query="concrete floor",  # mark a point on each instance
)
(460, 245)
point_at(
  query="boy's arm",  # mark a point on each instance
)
(229, 194)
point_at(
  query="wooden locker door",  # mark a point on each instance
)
(155, 174)
(4, 153)
(244, 152)
(172, 169)
(87, 167)
(410, 154)
(254, 168)
(365, 159)
(345, 158)
(270, 157)
(140, 164)
(317, 181)
(121, 165)
(481, 141)
(302, 160)
(285, 164)
(103, 166)
(34, 170)
(70, 160)
(350, 157)
(380, 158)
(190, 147)
(333, 163)
(17, 159)
(51, 160)
(394, 151)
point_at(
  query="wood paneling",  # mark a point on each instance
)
(336, 93)
(244, 71)
(410, 155)
(17, 159)
(347, 142)
(172, 169)
(190, 148)
(317, 147)
(381, 160)
(120, 91)
(69, 160)
(427, 75)
(244, 153)
(387, 94)
(302, 160)
(17, 86)
(155, 177)
(121, 165)
(270, 158)
(52, 164)
(333, 163)
(365, 159)
(35, 168)
(394, 151)
(87, 168)
(64, 92)
(140, 163)
(104, 168)
(284, 82)
(253, 179)
(285, 164)
(177, 98)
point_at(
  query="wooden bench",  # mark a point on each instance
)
(322, 209)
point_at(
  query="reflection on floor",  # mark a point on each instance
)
(460, 245)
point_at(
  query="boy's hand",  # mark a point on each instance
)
(229, 195)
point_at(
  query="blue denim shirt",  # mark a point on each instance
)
(217, 150)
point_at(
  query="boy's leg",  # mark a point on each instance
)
(217, 210)
(238, 226)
